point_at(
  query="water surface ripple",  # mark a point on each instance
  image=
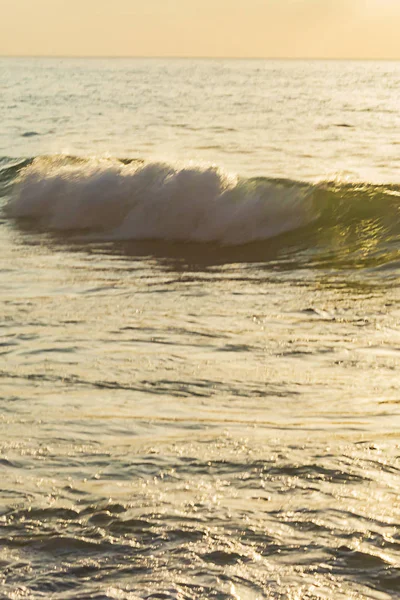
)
(199, 389)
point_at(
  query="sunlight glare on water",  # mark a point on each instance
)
(199, 364)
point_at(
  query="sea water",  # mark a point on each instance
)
(200, 343)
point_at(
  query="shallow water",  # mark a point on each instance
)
(186, 416)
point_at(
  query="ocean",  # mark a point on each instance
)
(200, 341)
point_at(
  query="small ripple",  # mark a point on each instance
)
(28, 134)
(222, 558)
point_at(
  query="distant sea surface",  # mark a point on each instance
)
(200, 329)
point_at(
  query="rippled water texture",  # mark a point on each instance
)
(199, 389)
(293, 119)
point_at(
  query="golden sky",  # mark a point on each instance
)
(231, 28)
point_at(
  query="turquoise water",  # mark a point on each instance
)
(199, 352)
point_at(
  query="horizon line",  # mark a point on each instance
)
(199, 57)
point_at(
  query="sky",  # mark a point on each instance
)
(209, 28)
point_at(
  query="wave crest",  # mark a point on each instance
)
(333, 224)
(131, 200)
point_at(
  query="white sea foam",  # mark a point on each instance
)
(157, 201)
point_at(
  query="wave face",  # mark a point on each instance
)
(110, 199)
(156, 201)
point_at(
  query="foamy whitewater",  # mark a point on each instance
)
(200, 343)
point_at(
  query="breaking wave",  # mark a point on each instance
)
(156, 201)
(110, 199)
